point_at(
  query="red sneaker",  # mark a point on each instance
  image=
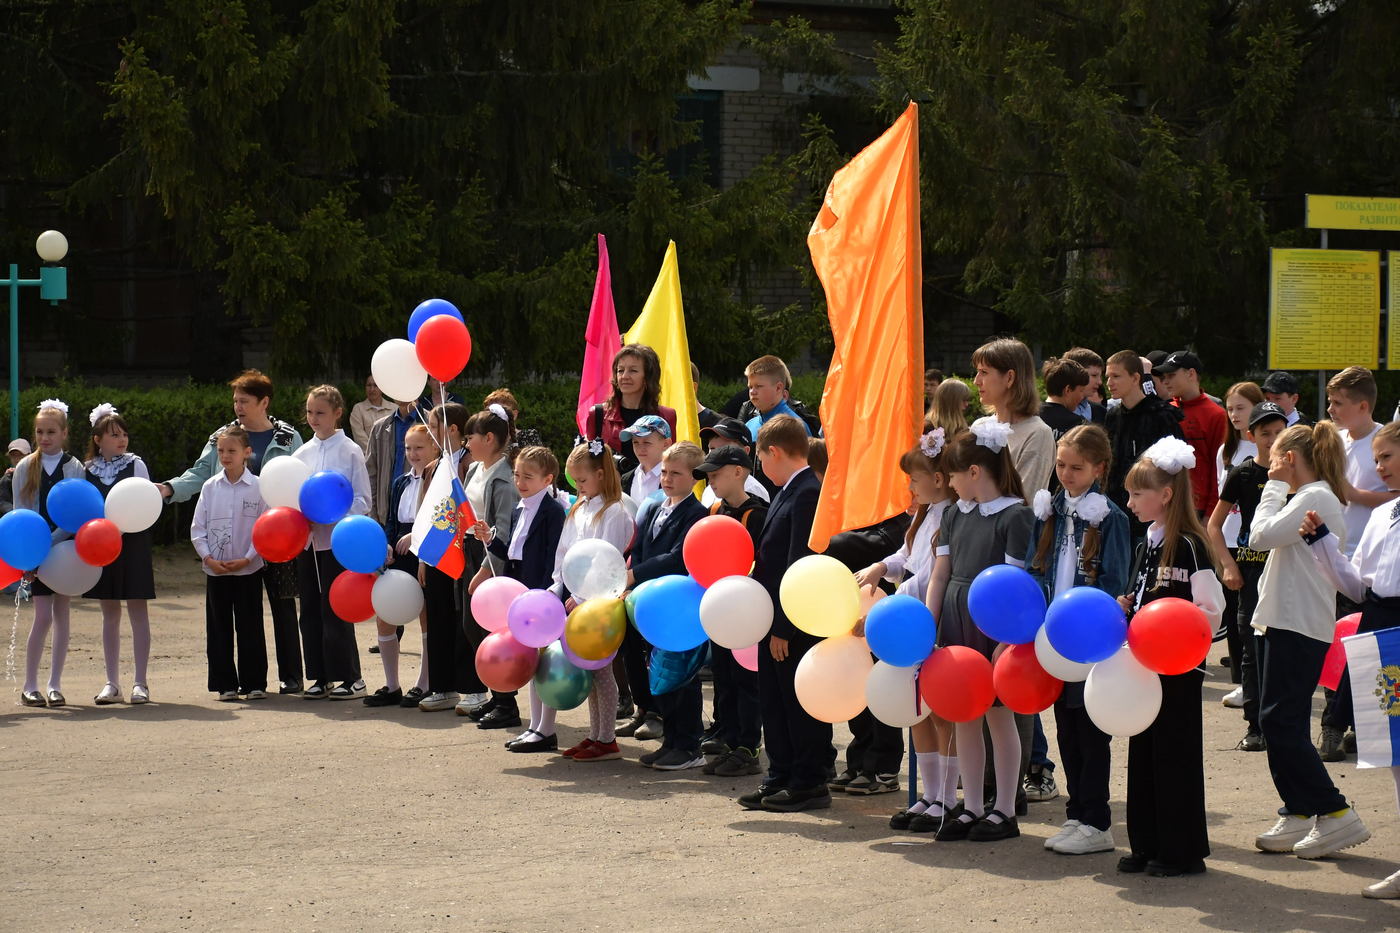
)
(571, 752)
(598, 751)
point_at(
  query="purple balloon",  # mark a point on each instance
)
(536, 618)
(584, 663)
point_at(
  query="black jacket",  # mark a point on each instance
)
(535, 568)
(753, 507)
(784, 541)
(660, 555)
(1132, 431)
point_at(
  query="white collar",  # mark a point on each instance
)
(988, 509)
(244, 479)
(532, 504)
(795, 475)
(1155, 533)
(335, 438)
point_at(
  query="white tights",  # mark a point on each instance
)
(541, 716)
(112, 637)
(1006, 760)
(50, 612)
(602, 707)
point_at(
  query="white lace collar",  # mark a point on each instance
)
(988, 509)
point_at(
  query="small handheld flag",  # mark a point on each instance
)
(442, 522)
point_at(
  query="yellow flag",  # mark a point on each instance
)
(661, 326)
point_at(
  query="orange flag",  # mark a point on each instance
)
(866, 250)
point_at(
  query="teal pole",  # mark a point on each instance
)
(14, 351)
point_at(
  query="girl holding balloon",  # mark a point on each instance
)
(1080, 538)
(598, 514)
(989, 525)
(327, 640)
(34, 477)
(130, 577)
(1166, 772)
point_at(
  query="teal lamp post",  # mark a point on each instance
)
(51, 246)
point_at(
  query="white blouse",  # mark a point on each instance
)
(917, 561)
(614, 525)
(1375, 564)
(1245, 450)
(408, 501)
(224, 519)
(338, 454)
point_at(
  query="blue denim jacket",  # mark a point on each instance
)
(1114, 559)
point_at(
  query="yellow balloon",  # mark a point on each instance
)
(595, 628)
(820, 596)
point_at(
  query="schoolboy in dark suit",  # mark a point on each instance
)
(799, 747)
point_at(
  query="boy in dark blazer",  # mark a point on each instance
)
(656, 552)
(535, 527)
(799, 747)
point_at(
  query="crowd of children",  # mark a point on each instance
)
(1273, 526)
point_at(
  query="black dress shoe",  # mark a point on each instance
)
(502, 717)
(754, 801)
(791, 801)
(930, 821)
(627, 729)
(904, 819)
(1132, 864)
(535, 743)
(289, 687)
(384, 697)
(1253, 741)
(1172, 870)
(953, 828)
(987, 830)
(411, 698)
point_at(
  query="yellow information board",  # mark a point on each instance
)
(1347, 212)
(1392, 338)
(1324, 308)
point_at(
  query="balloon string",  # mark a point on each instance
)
(14, 628)
(425, 424)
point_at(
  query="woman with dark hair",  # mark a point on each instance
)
(636, 391)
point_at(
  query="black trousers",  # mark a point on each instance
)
(799, 747)
(1166, 778)
(1290, 664)
(1230, 617)
(451, 657)
(233, 606)
(636, 652)
(327, 641)
(1376, 614)
(875, 747)
(285, 633)
(681, 711)
(1249, 640)
(738, 716)
(1085, 756)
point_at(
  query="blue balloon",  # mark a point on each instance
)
(359, 543)
(25, 538)
(900, 630)
(72, 503)
(427, 309)
(1086, 625)
(668, 613)
(325, 497)
(1006, 604)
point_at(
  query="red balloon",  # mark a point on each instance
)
(1021, 683)
(443, 346)
(956, 683)
(351, 596)
(716, 547)
(280, 534)
(504, 664)
(8, 574)
(1169, 636)
(98, 542)
(1336, 659)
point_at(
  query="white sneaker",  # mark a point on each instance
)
(1385, 888)
(257, 694)
(1287, 833)
(437, 701)
(228, 696)
(1086, 839)
(1065, 832)
(1332, 834)
(471, 702)
(108, 695)
(1234, 699)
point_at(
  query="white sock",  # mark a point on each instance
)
(541, 716)
(972, 760)
(948, 793)
(423, 665)
(389, 655)
(930, 778)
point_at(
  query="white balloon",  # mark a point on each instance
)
(396, 370)
(280, 482)
(1056, 664)
(830, 678)
(397, 597)
(1121, 696)
(892, 693)
(736, 612)
(134, 504)
(64, 572)
(594, 569)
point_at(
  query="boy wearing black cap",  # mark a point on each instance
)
(1282, 389)
(1242, 565)
(732, 747)
(730, 432)
(1203, 422)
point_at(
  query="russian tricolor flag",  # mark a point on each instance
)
(1374, 661)
(442, 522)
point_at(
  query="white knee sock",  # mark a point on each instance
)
(948, 793)
(38, 635)
(423, 665)
(389, 656)
(61, 606)
(1006, 757)
(972, 759)
(139, 614)
(930, 766)
(112, 639)
(541, 716)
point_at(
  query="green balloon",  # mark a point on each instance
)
(630, 601)
(561, 685)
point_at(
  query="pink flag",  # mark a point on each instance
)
(602, 341)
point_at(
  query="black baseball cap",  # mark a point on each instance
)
(727, 455)
(1179, 359)
(1280, 383)
(731, 428)
(1265, 411)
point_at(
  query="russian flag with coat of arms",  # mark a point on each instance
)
(1374, 661)
(442, 522)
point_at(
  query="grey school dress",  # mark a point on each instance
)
(975, 541)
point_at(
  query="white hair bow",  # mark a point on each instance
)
(595, 446)
(56, 404)
(499, 411)
(1042, 503)
(100, 412)
(1171, 454)
(991, 433)
(1093, 508)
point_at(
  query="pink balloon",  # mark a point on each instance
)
(584, 663)
(503, 663)
(491, 602)
(1336, 660)
(536, 618)
(747, 657)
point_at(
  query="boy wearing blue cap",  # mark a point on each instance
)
(650, 436)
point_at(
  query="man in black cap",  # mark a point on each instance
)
(1282, 389)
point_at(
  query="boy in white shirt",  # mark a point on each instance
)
(650, 436)
(1351, 399)
(222, 533)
